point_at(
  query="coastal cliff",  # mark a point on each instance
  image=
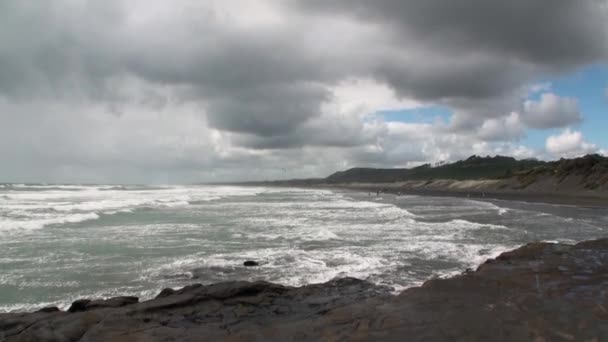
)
(586, 173)
(539, 292)
(577, 181)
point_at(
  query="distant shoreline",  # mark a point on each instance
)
(597, 200)
(512, 195)
(581, 182)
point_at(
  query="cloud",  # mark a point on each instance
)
(551, 111)
(540, 87)
(569, 144)
(192, 90)
(502, 129)
(552, 33)
(474, 49)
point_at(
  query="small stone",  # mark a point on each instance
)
(250, 263)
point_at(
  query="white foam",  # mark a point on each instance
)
(320, 235)
(464, 224)
(6, 225)
(490, 206)
(469, 254)
(565, 241)
(31, 307)
(121, 211)
(396, 212)
(57, 204)
(51, 186)
(142, 294)
(286, 266)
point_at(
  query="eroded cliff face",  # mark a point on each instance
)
(584, 174)
(539, 292)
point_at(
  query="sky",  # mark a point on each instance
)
(152, 91)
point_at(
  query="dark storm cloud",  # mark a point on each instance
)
(476, 49)
(56, 49)
(250, 83)
(544, 32)
(452, 78)
(317, 132)
(261, 83)
(266, 110)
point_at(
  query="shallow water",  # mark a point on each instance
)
(60, 243)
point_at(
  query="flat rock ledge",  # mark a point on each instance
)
(539, 292)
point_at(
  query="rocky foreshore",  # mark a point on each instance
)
(539, 292)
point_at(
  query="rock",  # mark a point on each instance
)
(116, 302)
(49, 309)
(520, 296)
(250, 263)
(165, 293)
(87, 304)
(79, 305)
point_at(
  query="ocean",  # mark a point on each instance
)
(59, 243)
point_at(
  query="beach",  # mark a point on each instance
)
(597, 199)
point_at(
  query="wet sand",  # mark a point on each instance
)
(599, 201)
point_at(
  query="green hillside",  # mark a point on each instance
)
(592, 167)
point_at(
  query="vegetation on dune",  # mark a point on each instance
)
(593, 169)
(472, 168)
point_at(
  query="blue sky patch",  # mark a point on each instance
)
(418, 115)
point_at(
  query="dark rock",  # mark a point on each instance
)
(79, 305)
(116, 302)
(87, 304)
(165, 293)
(250, 263)
(49, 309)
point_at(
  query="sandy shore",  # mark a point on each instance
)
(547, 190)
(559, 198)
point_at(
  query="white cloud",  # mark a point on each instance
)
(502, 129)
(432, 143)
(569, 144)
(551, 111)
(541, 87)
(367, 96)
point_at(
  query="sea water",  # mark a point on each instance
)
(59, 243)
